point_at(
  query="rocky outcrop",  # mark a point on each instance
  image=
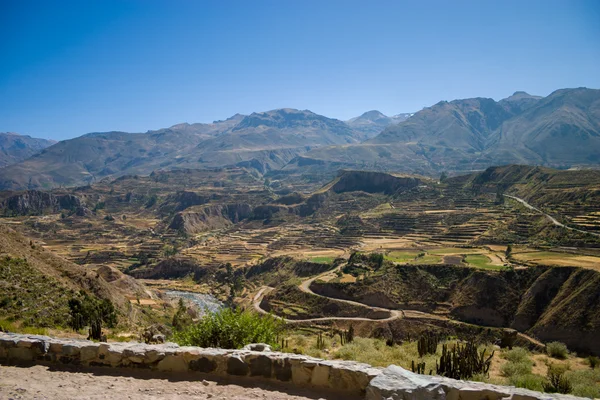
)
(170, 268)
(200, 219)
(347, 378)
(549, 303)
(35, 202)
(396, 383)
(373, 182)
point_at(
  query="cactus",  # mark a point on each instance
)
(462, 362)
(320, 341)
(346, 336)
(427, 343)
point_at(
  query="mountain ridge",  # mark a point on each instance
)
(459, 136)
(15, 147)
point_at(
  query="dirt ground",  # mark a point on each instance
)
(55, 382)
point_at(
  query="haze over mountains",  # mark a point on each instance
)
(561, 130)
(15, 147)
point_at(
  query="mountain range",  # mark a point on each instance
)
(15, 148)
(561, 130)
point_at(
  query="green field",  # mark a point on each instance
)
(481, 261)
(412, 257)
(450, 251)
(322, 259)
(402, 256)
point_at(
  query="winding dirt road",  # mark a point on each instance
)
(551, 218)
(394, 314)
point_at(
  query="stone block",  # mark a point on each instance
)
(20, 354)
(237, 366)
(71, 349)
(301, 374)
(88, 353)
(260, 366)
(172, 363)
(283, 369)
(203, 364)
(320, 375)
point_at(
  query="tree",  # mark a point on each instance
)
(90, 311)
(508, 251)
(181, 319)
(443, 176)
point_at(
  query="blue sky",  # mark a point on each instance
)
(68, 68)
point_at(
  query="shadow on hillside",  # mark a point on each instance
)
(246, 382)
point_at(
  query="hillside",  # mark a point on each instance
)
(550, 303)
(15, 148)
(262, 141)
(560, 130)
(373, 122)
(36, 284)
(460, 136)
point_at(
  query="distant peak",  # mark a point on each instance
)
(520, 94)
(373, 115)
(235, 117)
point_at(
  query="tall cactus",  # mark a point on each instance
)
(428, 343)
(463, 361)
(320, 341)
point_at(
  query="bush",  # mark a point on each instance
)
(91, 311)
(557, 350)
(585, 382)
(528, 381)
(594, 361)
(511, 369)
(518, 354)
(231, 329)
(557, 381)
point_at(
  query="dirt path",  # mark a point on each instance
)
(551, 218)
(395, 314)
(43, 382)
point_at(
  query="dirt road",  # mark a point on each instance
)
(395, 314)
(551, 218)
(43, 382)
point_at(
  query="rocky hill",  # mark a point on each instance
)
(460, 136)
(560, 130)
(36, 285)
(373, 122)
(550, 303)
(262, 141)
(15, 148)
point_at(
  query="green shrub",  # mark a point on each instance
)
(90, 311)
(586, 382)
(557, 350)
(518, 354)
(594, 361)
(557, 382)
(528, 381)
(511, 369)
(231, 329)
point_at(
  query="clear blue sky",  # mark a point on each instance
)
(72, 67)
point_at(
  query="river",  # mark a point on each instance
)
(203, 301)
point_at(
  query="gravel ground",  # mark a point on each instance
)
(50, 382)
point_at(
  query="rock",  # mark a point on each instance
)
(301, 373)
(260, 366)
(237, 366)
(172, 363)
(320, 375)
(203, 364)
(257, 347)
(88, 353)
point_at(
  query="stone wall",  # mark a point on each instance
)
(256, 361)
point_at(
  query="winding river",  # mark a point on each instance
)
(202, 300)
